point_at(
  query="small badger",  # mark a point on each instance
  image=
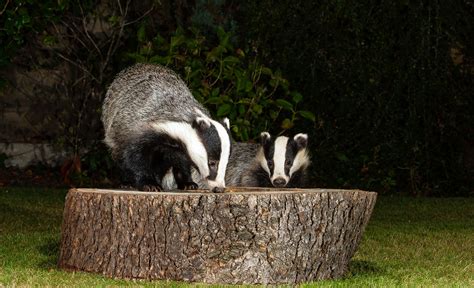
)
(154, 127)
(276, 162)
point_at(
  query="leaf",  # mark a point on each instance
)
(286, 124)
(248, 86)
(273, 82)
(215, 92)
(176, 41)
(244, 84)
(266, 71)
(342, 157)
(220, 33)
(136, 57)
(241, 109)
(214, 100)
(215, 53)
(297, 97)
(157, 59)
(307, 115)
(114, 19)
(245, 101)
(50, 40)
(141, 33)
(159, 41)
(257, 108)
(223, 37)
(231, 59)
(245, 134)
(224, 110)
(284, 104)
(274, 114)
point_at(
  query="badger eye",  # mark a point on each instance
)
(288, 162)
(270, 164)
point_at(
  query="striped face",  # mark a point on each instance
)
(283, 156)
(207, 143)
(215, 137)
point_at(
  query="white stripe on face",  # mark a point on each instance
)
(224, 157)
(279, 158)
(183, 132)
(301, 161)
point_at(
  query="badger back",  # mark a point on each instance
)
(241, 170)
(144, 94)
(284, 159)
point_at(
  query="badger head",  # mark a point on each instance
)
(281, 157)
(214, 136)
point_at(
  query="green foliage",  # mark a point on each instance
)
(393, 105)
(22, 19)
(230, 81)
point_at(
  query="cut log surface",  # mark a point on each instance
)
(245, 236)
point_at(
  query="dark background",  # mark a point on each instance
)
(384, 89)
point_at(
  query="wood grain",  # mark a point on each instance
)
(249, 235)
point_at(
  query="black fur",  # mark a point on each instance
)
(149, 156)
(268, 150)
(292, 149)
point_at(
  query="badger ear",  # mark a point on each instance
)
(301, 140)
(226, 122)
(201, 123)
(265, 138)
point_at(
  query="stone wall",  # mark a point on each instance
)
(27, 123)
(21, 155)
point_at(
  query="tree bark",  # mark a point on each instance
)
(246, 236)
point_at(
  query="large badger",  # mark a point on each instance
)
(155, 127)
(275, 162)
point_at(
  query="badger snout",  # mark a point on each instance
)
(279, 182)
(218, 190)
(216, 186)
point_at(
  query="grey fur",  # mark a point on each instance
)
(128, 106)
(242, 165)
(145, 97)
(244, 168)
(242, 162)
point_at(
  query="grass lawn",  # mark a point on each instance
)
(421, 242)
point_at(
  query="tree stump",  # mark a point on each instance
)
(245, 236)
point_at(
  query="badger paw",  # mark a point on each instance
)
(151, 188)
(188, 186)
(126, 187)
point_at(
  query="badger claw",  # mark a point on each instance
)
(188, 186)
(126, 187)
(151, 188)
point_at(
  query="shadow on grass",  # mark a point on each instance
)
(51, 251)
(364, 268)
